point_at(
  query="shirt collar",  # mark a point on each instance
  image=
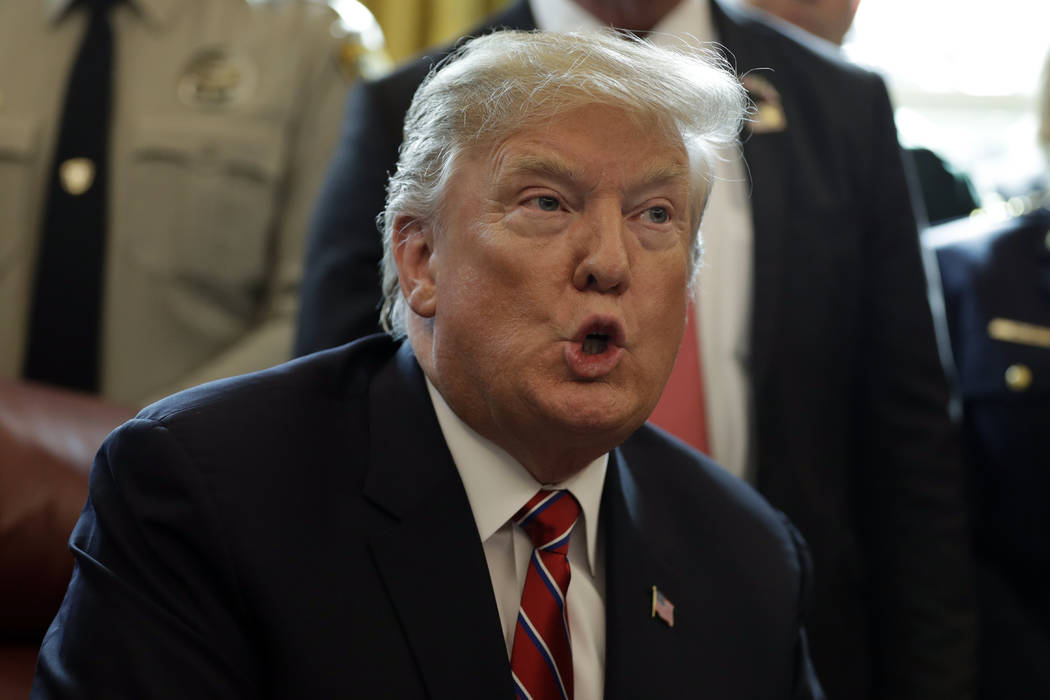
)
(688, 19)
(498, 486)
(53, 9)
(156, 12)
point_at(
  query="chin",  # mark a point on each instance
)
(608, 415)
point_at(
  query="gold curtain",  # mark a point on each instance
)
(413, 25)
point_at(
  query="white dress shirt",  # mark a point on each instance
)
(497, 487)
(724, 291)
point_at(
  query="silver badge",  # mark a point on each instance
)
(215, 77)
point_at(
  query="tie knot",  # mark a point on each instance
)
(548, 519)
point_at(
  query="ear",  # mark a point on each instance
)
(413, 254)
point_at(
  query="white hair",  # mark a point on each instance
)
(501, 83)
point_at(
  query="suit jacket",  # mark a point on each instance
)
(276, 535)
(851, 436)
(996, 275)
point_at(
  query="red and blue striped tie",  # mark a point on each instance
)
(541, 658)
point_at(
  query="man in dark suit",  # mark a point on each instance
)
(996, 279)
(479, 511)
(845, 400)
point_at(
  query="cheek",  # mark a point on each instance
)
(486, 296)
(523, 274)
(663, 300)
(665, 276)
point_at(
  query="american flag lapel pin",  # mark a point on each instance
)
(662, 607)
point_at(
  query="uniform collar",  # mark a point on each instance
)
(498, 486)
(54, 9)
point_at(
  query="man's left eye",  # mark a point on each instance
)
(547, 203)
(658, 215)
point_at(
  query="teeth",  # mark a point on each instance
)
(595, 344)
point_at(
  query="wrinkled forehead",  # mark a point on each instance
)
(541, 142)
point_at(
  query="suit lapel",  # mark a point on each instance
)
(765, 154)
(643, 657)
(425, 542)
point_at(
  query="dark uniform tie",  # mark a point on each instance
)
(63, 344)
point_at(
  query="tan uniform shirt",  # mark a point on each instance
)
(224, 116)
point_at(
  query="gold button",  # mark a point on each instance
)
(77, 175)
(1046, 241)
(1018, 377)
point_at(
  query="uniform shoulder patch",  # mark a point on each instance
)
(361, 51)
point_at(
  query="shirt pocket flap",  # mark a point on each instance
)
(18, 138)
(249, 150)
(18, 151)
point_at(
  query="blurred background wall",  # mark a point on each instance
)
(412, 25)
(964, 76)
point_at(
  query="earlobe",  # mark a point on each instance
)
(413, 253)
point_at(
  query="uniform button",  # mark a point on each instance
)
(1046, 241)
(77, 175)
(1018, 377)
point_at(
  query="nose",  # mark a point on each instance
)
(603, 263)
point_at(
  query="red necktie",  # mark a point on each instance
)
(681, 410)
(541, 658)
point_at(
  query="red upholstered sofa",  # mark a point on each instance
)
(48, 438)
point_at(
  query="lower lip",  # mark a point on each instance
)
(588, 366)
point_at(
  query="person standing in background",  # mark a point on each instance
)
(822, 381)
(158, 163)
(996, 279)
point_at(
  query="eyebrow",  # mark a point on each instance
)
(560, 170)
(539, 165)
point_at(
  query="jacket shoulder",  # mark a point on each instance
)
(266, 395)
(346, 27)
(972, 249)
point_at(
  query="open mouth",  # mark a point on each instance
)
(598, 334)
(597, 347)
(595, 343)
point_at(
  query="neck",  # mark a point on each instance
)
(554, 467)
(633, 15)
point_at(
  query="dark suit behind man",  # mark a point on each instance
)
(850, 432)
